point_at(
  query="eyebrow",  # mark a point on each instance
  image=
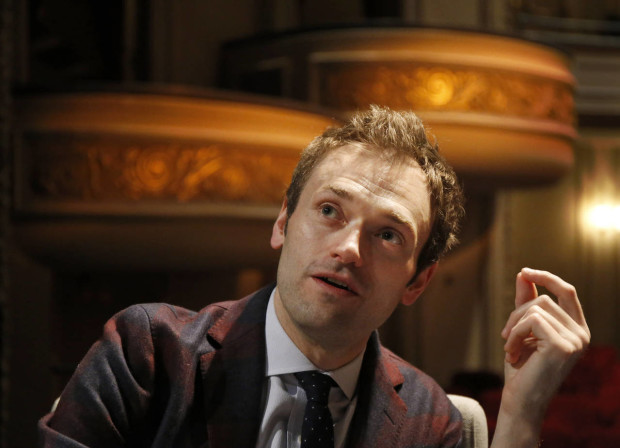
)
(340, 192)
(392, 214)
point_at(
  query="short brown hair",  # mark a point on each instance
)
(398, 134)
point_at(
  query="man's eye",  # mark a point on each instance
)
(390, 236)
(329, 211)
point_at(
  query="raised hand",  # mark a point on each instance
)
(544, 339)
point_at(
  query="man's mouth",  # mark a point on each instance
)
(336, 283)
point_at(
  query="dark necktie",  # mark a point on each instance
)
(317, 430)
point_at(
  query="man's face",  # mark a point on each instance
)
(349, 249)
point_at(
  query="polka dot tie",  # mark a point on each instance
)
(317, 429)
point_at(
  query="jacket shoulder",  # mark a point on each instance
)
(166, 321)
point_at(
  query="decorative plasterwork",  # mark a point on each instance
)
(130, 154)
(154, 180)
(91, 169)
(501, 108)
(421, 87)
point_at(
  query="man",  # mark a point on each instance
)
(371, 208)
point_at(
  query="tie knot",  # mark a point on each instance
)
(316, 385)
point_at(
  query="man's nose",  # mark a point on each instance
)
(347, 247)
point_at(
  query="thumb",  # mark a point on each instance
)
(525, 291)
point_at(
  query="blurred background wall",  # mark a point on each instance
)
(81, 238)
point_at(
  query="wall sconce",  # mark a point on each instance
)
(604, 217)
(599, 202)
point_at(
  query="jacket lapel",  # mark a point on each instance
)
(380, 413)
(233, 377)
(233, 374)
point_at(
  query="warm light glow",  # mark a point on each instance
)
(605, 217)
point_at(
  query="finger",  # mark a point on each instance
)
(565, 292)
(522, 341)
(547, 304)
(537, 327)
(525, 291)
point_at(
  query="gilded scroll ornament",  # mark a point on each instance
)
(412, 86)
(89, 169)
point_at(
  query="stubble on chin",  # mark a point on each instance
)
(321, 325)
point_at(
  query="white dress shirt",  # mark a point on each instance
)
(284, 401)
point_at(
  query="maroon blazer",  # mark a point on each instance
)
(163, 376)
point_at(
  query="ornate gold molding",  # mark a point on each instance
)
(154, 178)
(502, 108)
(404, 85)
(90, 169)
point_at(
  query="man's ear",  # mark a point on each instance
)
(415, 288)
(279, 227)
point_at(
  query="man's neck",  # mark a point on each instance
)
(326, 353)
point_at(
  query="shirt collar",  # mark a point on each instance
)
(284, 357)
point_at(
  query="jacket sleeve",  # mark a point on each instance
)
(454, 432)
(110, 390)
